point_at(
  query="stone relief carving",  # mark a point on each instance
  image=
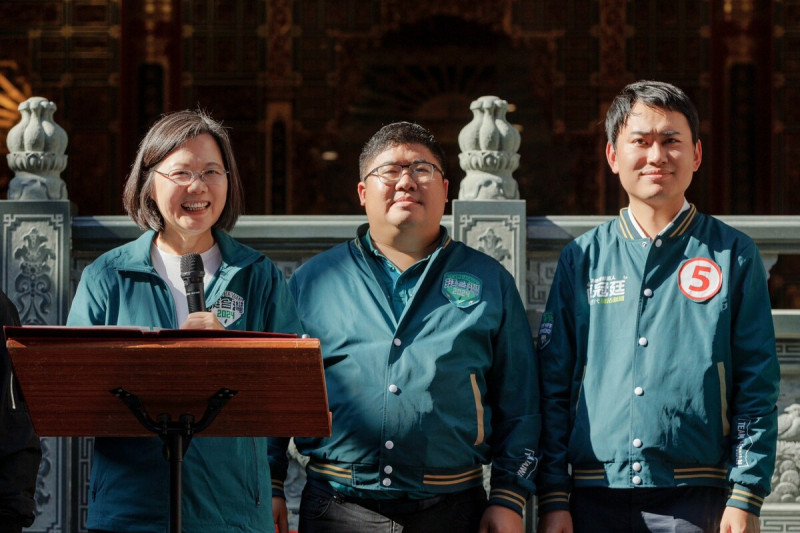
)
(489, 145)
(36, 148)
(33, 284)
(43, 495)
(492, 245)
(493, 235)
(786, 478)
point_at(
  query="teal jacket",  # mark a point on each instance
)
(420, 403)
(658, 363)
(225, 480)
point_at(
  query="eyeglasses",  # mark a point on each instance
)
(391, 173)
(212, 176)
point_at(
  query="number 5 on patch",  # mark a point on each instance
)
(700, 279)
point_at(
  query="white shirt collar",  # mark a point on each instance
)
(642, 234)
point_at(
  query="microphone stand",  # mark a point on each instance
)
(176, 437)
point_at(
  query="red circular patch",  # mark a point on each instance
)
(700, 279)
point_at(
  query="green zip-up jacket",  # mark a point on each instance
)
(226, 481)
(658, 363)
(421, 402)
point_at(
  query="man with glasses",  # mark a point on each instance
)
(428, 361)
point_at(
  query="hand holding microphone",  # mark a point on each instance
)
(192, 273)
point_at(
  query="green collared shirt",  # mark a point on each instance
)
(398, 286)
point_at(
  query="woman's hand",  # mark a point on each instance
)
(201, 320)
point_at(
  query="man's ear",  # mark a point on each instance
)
(611, 157)
(698, 155)
(362, 193)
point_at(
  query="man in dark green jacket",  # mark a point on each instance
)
(657, 350)
(428, 362)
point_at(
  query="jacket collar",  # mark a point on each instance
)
(135, 256)
(364, 244)
(679, 226)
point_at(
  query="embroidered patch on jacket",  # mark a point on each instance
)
(229, 308)
(462, 289)
(744, 440)
(700, 279)
(528, 465)
(545, 330)
(606, 290)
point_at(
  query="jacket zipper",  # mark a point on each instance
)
(258, 478)
(11, 391)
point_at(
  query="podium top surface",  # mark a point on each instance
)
(66, 375)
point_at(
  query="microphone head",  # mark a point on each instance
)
(192, 264)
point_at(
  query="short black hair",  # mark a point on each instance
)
(656, 94)
(394, 134)
(170, 132)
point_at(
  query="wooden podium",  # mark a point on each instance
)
(105, 382)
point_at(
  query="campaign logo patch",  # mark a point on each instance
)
(700, 279)
(462, 289)
(545, 330)
(229, 308)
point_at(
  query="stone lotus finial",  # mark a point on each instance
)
(36, 153)
(489, 145)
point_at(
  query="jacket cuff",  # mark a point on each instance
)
(553, 500)
(277, 489)
(746, 499)
(509, 496)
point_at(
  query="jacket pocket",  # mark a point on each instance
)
(256, 470)
(723, 400)
(476, 392)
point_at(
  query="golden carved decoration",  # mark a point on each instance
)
(279, 41)
(739, 12)
(741, 49)
(612, 41)
(14, 90)
(496, 14)
(155, 14)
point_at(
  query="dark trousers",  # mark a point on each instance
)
(669, 510)
(325, 510)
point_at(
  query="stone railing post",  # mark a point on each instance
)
(35, 266)
(488, 215)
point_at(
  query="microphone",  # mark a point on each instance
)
(192, 273)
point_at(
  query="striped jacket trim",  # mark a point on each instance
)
(701, 472)
(502, 494)
(594, 473)
(331, 470)
(452, 479)
(682, 223)
(553, 497)
(747, 497)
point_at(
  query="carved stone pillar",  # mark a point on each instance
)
(488, 215)
(35, 268)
